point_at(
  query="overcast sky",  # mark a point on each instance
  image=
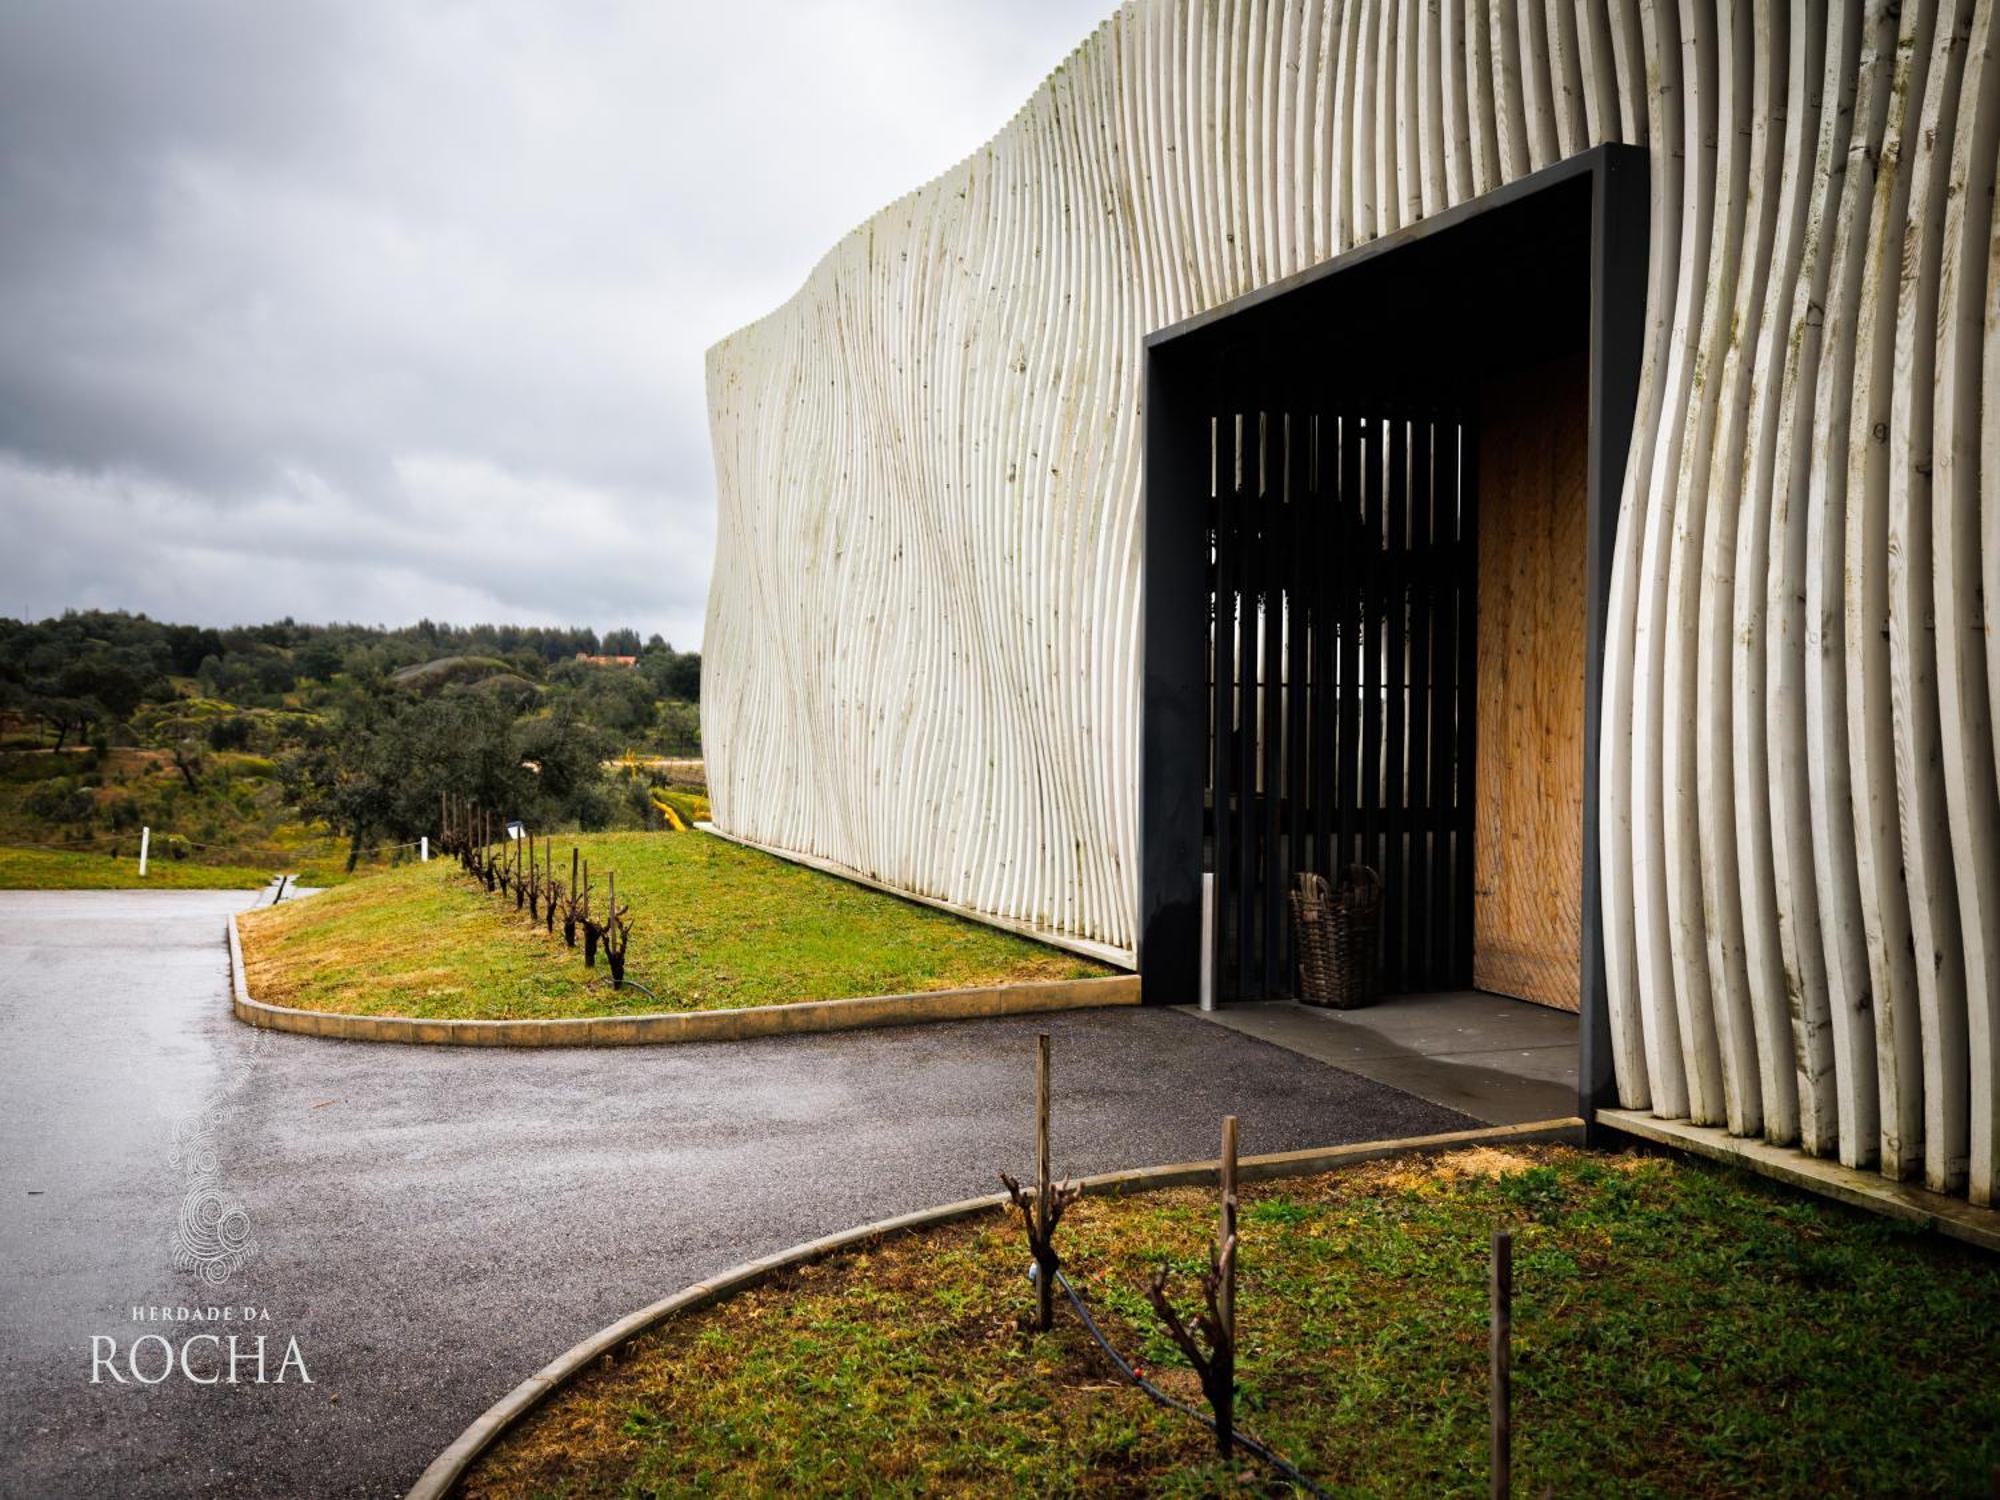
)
(379, 309)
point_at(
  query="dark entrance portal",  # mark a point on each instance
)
(1340, 663)
(1316, 455)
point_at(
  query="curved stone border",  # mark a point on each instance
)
(685, 1026)
(449, 1466)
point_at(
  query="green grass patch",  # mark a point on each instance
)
(1680, 1330)
(47, 870)
(716, 926)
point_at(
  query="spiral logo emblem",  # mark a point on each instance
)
(194, 1145)
(211, 1234)
(212, 1237)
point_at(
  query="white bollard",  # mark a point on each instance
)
(424, 849)
(1207, 991)
(145, 841)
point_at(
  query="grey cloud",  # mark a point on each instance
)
(371, 310)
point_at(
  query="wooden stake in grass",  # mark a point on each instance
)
(1044, 1211)
(572, 902)
(617, 933)
(1044, 1285)
(1225, 1301)
(534, 885)
(552, 890)
(1500, 1360)
(1216, 1365)
(591, 931)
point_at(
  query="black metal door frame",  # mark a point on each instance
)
(1554, 262)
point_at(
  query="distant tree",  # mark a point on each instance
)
(64, 716)
(377, 773)
(190, 760)
(684, 678)
(232, 733)
(616, 698)
(673, 674)
(187, 645)
(318, 660)
(105, 679)
(679, 728)
(568, 754)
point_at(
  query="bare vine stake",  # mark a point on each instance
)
(1500, 1361)
(1043, 1215)
(570, 904)
(534, 885)
(1215, 1366)
(1225, 1300)
(552, 893)
(617, 933)
(1045, 1289)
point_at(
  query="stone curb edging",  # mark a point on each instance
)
(438, 1480)
(801, 1018)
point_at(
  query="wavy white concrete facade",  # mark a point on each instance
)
(922, 646)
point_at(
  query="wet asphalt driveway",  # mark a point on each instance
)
(434, 1224)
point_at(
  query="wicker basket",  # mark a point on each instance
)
(1336, 935)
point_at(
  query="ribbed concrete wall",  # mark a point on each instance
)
(922, 648)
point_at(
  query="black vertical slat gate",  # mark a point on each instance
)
(1341, 577)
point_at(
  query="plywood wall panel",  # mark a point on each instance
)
(1527, 842)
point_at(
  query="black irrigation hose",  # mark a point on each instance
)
(1284, 1466)
(633, 984)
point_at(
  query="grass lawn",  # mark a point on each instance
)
(48, 870)
(1679, 1330)
(715, 926)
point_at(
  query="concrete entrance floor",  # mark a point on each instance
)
(1499, 1060)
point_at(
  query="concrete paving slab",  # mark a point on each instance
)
(1499, 1060)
